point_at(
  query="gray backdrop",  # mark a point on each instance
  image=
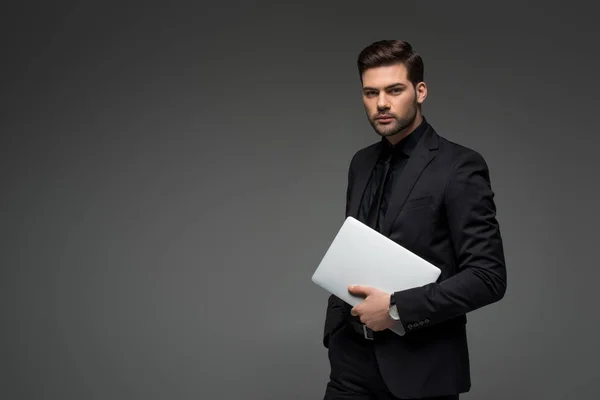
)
(171, 177)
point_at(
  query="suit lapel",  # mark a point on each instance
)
(424, 152)
(363, 173)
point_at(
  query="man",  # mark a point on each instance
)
(433, 197)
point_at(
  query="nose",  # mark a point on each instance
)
(382, 102)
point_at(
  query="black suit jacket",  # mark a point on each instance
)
(442, 209)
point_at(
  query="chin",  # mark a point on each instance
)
(388, 132)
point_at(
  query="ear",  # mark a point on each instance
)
(421, 91)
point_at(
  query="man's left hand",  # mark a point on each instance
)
(374, 309)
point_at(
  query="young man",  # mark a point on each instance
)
(433, 197)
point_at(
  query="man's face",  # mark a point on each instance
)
(391, 101)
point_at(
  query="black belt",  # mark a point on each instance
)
(361, 328)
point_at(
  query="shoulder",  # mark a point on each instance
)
(364, 154)
(461, 158)
(466, 171)
(366, 151)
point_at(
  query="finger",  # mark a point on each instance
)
(359, 290)
(354, 312)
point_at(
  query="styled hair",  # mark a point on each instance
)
(389, 52)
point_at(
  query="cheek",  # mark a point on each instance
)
(404, 104)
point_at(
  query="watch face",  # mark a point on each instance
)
(394, 313)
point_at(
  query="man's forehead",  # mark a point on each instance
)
(380, 77)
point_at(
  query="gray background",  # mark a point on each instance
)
(171, 176)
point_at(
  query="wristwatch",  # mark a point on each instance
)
(393, 310)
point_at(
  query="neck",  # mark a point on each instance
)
(397, 137)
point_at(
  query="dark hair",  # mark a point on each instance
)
(389, 52)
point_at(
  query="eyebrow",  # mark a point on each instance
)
(387, 87)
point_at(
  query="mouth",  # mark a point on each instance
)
(384, 118)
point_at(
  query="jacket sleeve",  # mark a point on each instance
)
(478, 248)
(334, 317)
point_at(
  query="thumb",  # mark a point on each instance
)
(359, 290)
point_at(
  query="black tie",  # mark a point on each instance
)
(373, 217)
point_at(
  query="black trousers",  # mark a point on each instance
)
(354, 371)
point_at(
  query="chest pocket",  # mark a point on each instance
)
(413, 226)
(416, 202)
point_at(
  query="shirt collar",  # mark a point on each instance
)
(407, 144)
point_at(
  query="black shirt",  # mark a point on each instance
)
(397, 156)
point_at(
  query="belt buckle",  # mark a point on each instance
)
(368, 333)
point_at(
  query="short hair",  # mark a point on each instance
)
(389, 52)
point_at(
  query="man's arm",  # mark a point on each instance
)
(477, 244)
(333, 318)
(335, 306)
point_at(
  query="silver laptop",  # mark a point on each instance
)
(361, 255)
